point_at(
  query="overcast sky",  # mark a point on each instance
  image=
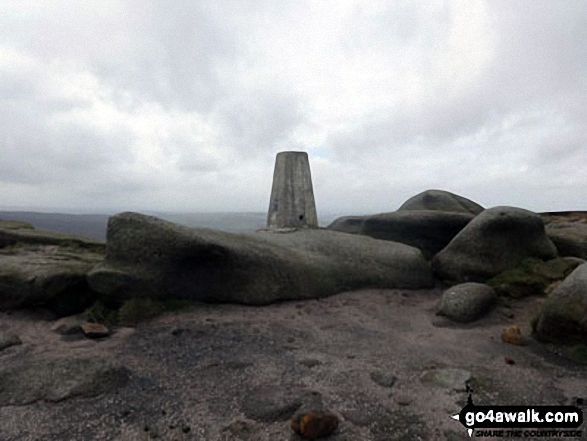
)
(116, 105)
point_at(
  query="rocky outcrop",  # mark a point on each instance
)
(430, 231)
(47, 275)
(347, 224)
(441, 200)
(58, 379)
(570, 238)
(13, 233)
(45, 268)
(497, 239)
(466, 302)
(149, 257)
(563, 316)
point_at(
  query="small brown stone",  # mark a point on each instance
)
(94, 330)
(314, 424)
(512, 335)
(509, 360)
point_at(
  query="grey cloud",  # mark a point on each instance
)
(192, 100)
(260, 121)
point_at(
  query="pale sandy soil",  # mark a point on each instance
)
(201, 371)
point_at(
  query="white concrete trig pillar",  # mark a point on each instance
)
(292, 197)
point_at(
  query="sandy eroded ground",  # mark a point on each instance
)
(215, 373)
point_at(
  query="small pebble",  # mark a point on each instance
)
(314, 424)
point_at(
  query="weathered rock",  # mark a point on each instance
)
(14, 232)
(48, 275)
(8, 339)
(68, 325)
(430, 231)
(271, 403)
(94, 330)
(512, 335)
(347, 224)
(570, 238)
(497, 239)
(57, 379)
(563, 315)
(149, 257)
(466, 302)
(450, 378)
(314, 423)
(441, 200)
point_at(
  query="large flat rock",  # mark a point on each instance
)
(149, 257)
(47, 275)
(45, 268)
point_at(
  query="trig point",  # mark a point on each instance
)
(292, 198)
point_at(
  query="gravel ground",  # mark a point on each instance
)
(230, 372)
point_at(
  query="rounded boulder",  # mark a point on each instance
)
(466, 302)
(498, 239)
(440, 200)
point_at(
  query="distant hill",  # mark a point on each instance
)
(88, 225)
(94, 225)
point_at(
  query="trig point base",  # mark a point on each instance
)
(292, 198)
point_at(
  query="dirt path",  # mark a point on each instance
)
(229, 372)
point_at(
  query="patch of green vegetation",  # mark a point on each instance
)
(531, 277)
(534, 321)
(99, 313)
(13, 246)
(578, 353)
(15, 225)
(135, 311)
